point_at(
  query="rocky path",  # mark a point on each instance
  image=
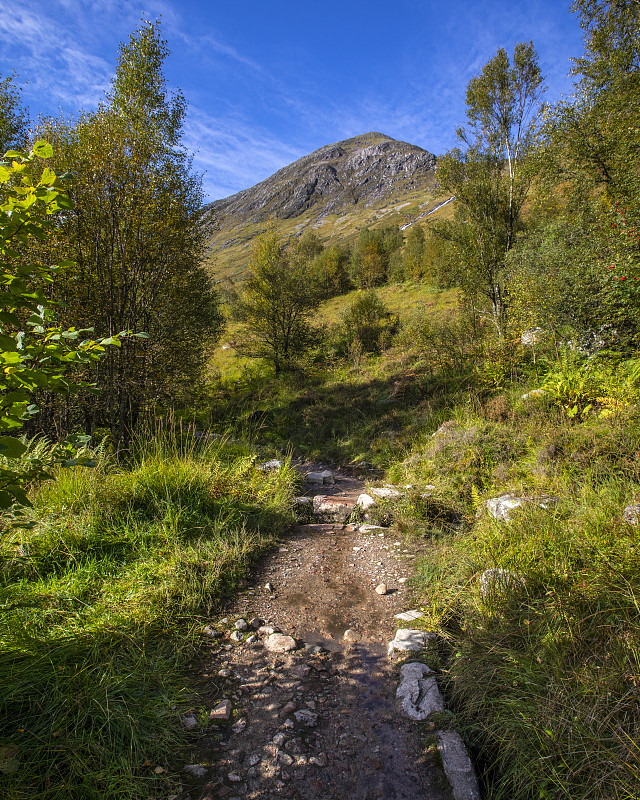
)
(309, 709)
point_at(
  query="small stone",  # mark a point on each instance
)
(280, 643)
(252, 639)
(234, 777)
(273, 464)
(254, 759)
(221, 712)
(279, 739)
(239, 726)
(256, 623)
(418, 692)
(224, 673)
(288, 708)
(409, 616)
(351, 635)
(197, 770)
(307, 718)
(385, 493)
(320, 760)
(212, 633)
(631, 514)
(224, 620)
(267, 630)
(241, 625)
(407, 639)
(381, 588)
(237, 636)
(159, 770)
(268, 586)
(285, 758)
(402, 580)
(189, 722)
(288, 723)
(365, 502)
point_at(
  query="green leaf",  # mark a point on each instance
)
(10, 447)
(42, 149)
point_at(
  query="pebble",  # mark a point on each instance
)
(237, 636)
(241, 625)
(224, 673)
(189, 721)
(381, 588)
(252, 639)
(234, 777)
(239, 726)
(268, 586)
(256, 623)
(254, 759)
(320, 760)
(278, 739)
(212, 632)
(351, 635)
(197, 770)
(224, 620)
(267, 630)
(221, 712)
(307, 718)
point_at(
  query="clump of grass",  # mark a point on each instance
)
(102, 600)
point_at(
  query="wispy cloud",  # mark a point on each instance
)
(233, 154)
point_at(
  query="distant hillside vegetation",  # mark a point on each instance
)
(368, 180)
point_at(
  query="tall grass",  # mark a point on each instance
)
(101, 603)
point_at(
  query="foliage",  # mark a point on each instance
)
(36, 354)
(275, 305)
(503, 109)
(368, 322)
(14, 119)
(372, 255)
(103, 603)
(137, 244)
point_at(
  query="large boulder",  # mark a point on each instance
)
(333, 509)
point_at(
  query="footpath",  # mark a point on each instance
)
(304, 687)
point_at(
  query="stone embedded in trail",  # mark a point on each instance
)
(381, 588)
(457, 766)
(308, 718)
(241, 625)
(237, 636)
(267, 630)
(418, 692)
(280, 643)
(407, 639)
(332, 509)
(197, 770)
(351, 636)
(371, 528)
(324, 478)
(409, 616)
(256, 623)
(221, 712)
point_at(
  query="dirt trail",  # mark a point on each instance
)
(319, 722)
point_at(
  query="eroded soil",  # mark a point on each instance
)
(319, 722)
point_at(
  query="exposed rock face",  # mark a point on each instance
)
(335, 177)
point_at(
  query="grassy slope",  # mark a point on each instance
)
(103, 600)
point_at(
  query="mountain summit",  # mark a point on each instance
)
(364, 169)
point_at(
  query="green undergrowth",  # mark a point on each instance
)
(102, 601)
(542, 663)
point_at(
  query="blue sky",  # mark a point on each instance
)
(268, 82)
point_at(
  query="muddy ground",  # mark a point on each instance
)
(318, 722)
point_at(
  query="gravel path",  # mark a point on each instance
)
(318, 722)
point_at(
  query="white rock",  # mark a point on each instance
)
(267, 630)
(279, 643)
(268, 586)
(533, 393)
(631, 514)
(381, 588)
(252, 639)
(457, 766)
(324, 478)
(385, 493)
(273, 464)
(365, 502)
(409, 616)
(408, 639)
(371, 528)
(241, 625)
(351, 635)
(418, 692)
(501, 507)
(237, 636)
